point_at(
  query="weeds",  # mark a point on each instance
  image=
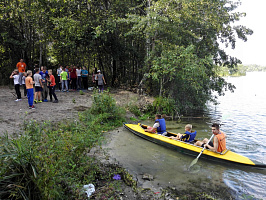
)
(81, 92)
(49, 160)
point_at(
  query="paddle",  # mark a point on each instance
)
(196, 159)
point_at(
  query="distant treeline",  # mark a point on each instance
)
(240, 70)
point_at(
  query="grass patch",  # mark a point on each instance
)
(49, 161)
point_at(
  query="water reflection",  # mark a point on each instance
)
(243, 115)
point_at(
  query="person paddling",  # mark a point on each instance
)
(219, 141)
(159, 126)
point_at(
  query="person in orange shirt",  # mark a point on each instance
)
(21, 69)
(52, 84)
(29, 86)
(219, 141)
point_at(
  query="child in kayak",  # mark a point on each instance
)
(159, 126)
(188, 136)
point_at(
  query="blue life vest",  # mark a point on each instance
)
(188, 136)
(162, 128)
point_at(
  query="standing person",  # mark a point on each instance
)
(44, 74)
(94, 77)
(58, 72)
(78, 73)
(101, 81)
(63, 79)
(38, 86)
(21, 66)
(23, 83)
(219, 141)
(15, 76)
(159, 126)
(68, 76)
(52, 84)
(29, 85)
(73, 78)
(84, 75)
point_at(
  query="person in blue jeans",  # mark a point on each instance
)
(29, 85)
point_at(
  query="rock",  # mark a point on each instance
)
(147, 177)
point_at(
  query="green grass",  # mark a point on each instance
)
(50, 160)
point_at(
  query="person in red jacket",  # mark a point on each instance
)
(73, 78)
(51, 81)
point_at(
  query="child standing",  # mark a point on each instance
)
(78, 73)
(101, 80)
(15, 76)
(44, 75)
(63, 78)
(23, 83)
(29, 85)
(84, 75)
(51, 80)
(38, 86)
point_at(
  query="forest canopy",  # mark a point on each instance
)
(166, 48)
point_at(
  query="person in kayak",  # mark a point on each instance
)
(188, 136)
(159, 126)
(219, 141)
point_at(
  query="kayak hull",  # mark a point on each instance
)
(191, 149)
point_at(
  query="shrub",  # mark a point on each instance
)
(49, 160)
(164, 105)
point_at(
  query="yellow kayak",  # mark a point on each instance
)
(190, 148)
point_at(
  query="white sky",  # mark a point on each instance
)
(253, 51)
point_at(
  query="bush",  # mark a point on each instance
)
(135, 110)
(49, 161)
(164, 105)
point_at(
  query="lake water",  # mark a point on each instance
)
(243, 115)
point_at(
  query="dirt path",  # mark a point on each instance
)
(13, 114)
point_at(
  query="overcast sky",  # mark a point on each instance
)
(253, 51)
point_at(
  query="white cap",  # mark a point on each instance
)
(99, 71)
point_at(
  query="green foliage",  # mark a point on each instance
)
(49, 161)
(73, 100)
(163, 105)
(170, 48)
(135, 110)
(133, 119)
(81, 92)
(105, 106)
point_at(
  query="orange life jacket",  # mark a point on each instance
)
(221, 142)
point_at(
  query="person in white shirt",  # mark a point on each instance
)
(15, 76)
(78, 72)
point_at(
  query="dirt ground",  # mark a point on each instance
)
(14, 114)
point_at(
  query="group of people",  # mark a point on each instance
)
(218, 145)
(77, 78)
(45, 82)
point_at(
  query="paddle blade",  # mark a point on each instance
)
(193, 162)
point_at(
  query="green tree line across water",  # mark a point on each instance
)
(166, 48)
(240, 70)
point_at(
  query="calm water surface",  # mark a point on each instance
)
(243, 115)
